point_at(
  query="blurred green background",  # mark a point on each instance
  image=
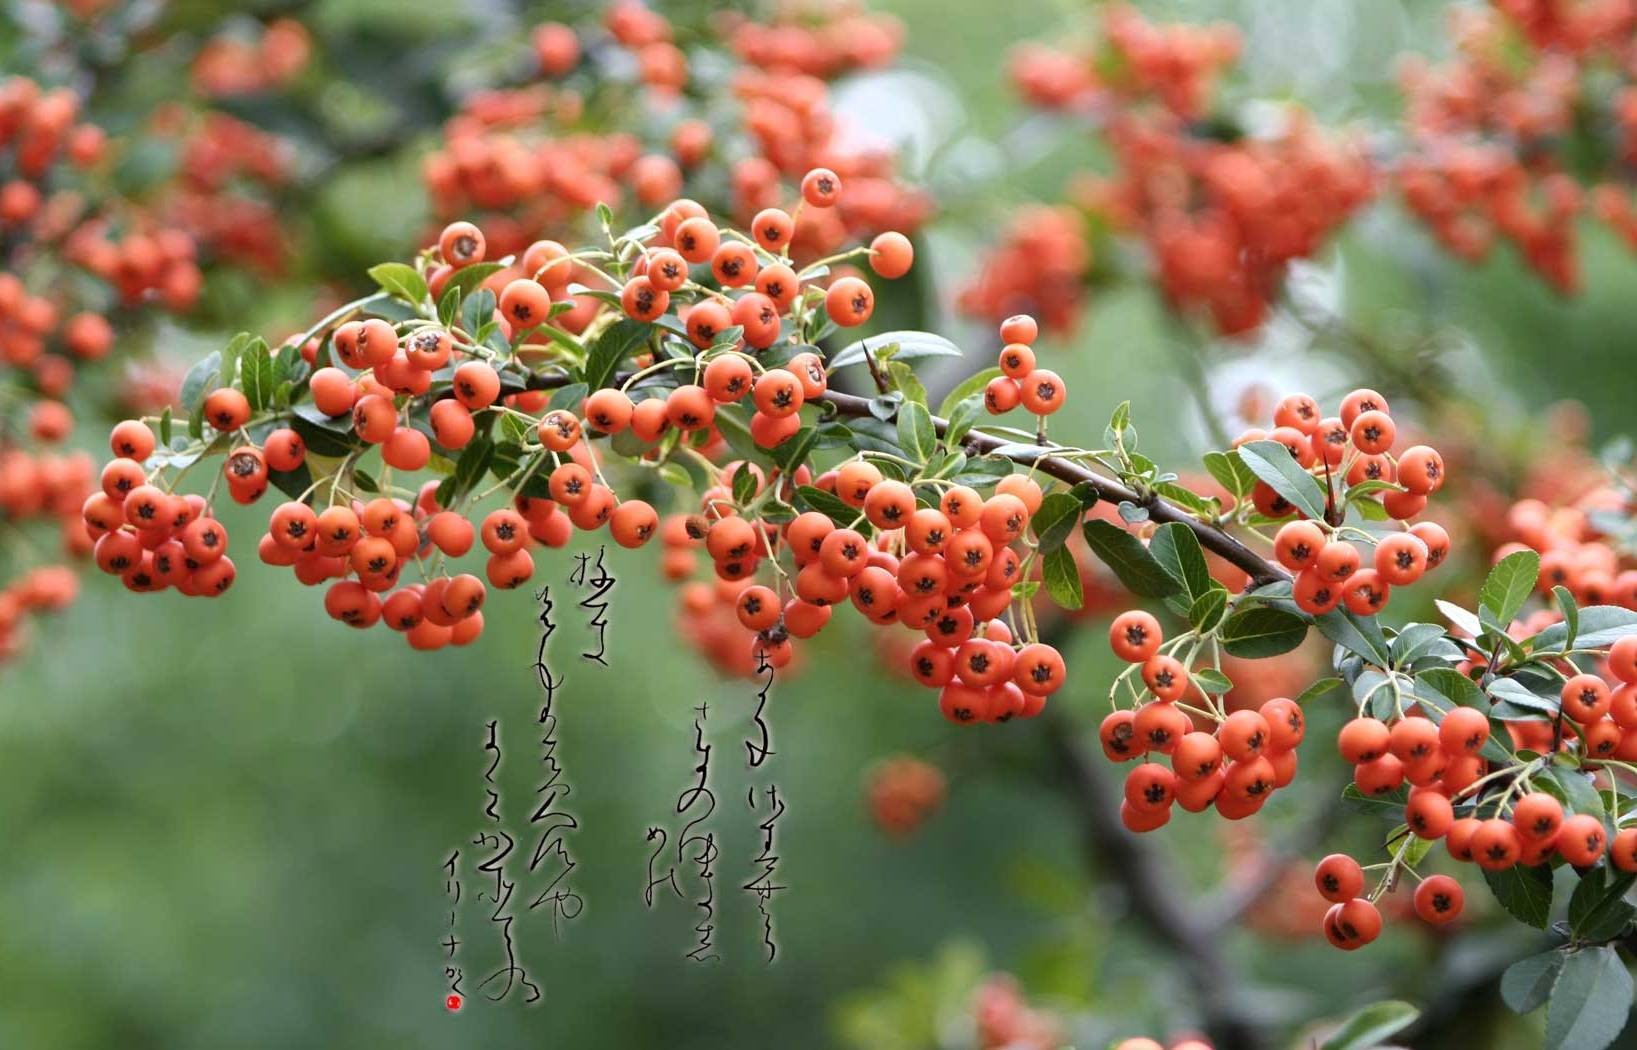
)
(226, 821)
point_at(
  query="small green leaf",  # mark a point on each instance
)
(1320, 689)
(1054, 522)
(903, 380)
(1571, 615)
(827, 503)
(1212, 681)
(1599, 626)
(970, 387)
(1598, 909)
(1524, 892)
(1137, 569)
(402, 281)
(1062, 577)
(1509, 585)
(1356, 634)
(793, 451)
(962, 418)
(1372, 1026)
(256, 375)
(915, 431)
(165, 427)
(1273, 463)
(744, 485)
(1260, 632)
(911, 346)
(618, 342)
(1177, 548)
(1465, 619)
(1230, 472)
(1207, 610)
(1387, 806)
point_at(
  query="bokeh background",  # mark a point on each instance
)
(225, 822)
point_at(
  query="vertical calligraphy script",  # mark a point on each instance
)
(495, 887)
(550, 863)
(694, 847)
(764, 881)
(551, 860)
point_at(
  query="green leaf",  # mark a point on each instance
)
(617, 342)
(793, 451)
(971, 386)
(1212, 681)
(230, 358)
(1261, 632)
(568, 397)
(256, 375)
(915, 431)
(962, 418)
(1230, 472)
(1356, 634)
(402, 281)
(1414, 640)
(1600, 626)
(1527, 983)
(911, 346)
(1320, 689)
(165, 427)
(744, 485)
(903, 380)
(826, 503)
(1273, 463)
(195, 385)
(1454, 686)
(1062, 577)
(1207, 610)
(1372, 1026)
(1524, 892)
(470, 277)
(1137, 569)
(1054, 522)
(1389, 806)
(1512, 696)
(1509, 585)
(1591, 1000)
(1465, 619)
(1571, 615)
(1598, 909)
(1177, 548)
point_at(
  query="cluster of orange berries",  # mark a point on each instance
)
(227, 170)
(902, 792)
(1222, 219)
(1574, 553)
(1038, 267)
(1237, 767)
(1493, 131)
(41, 486)
(1355, 446)
(232, 65)
(1175, 65)
(1039, 390)
(502, 154)
(380, 370)
(823, 40)
(1225, 219)
(945, 571)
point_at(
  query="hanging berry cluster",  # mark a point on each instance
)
(1222, 215)
(526, 158)
(1500, 135)
(55, 216)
